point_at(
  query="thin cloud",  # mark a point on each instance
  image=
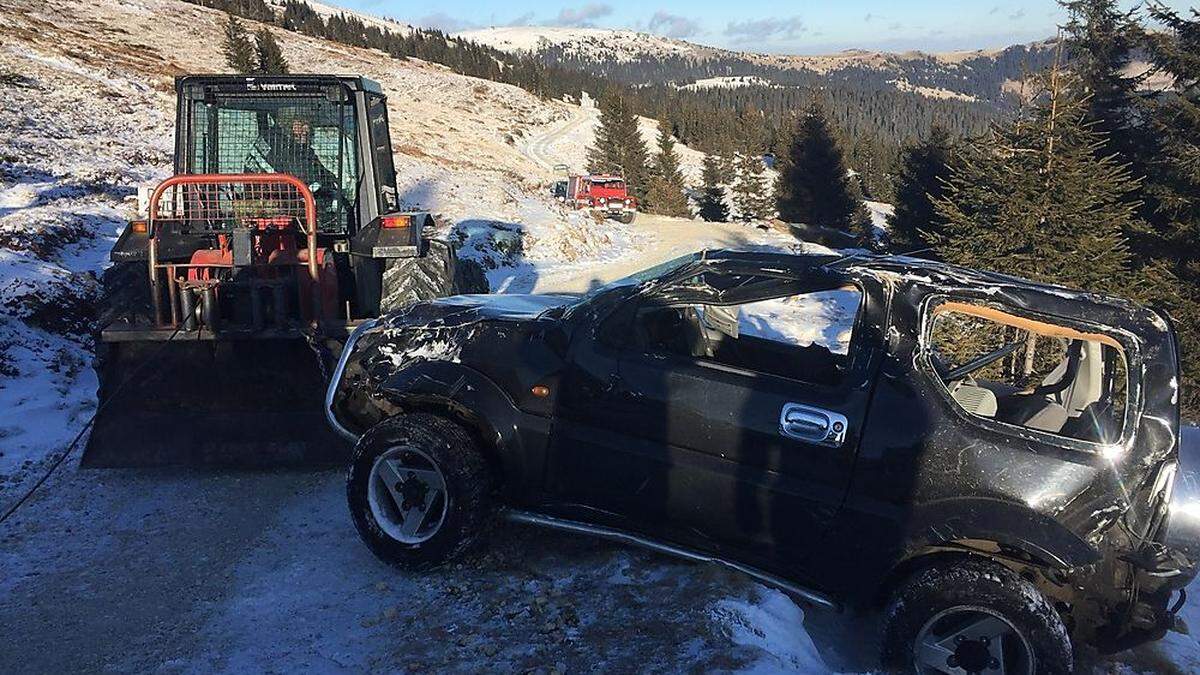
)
(446, 23)
(1019, 14)
(523, 20)
(673, 25)
(766, 29)
(582, 16)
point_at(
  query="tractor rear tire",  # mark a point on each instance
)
(411, 280)
(469, 277)
(436, 274)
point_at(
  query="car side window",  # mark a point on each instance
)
(1036, 374)
(804, 335)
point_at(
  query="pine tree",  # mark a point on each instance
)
(924, 168)
(751, 190)
(1175, 118)
(237, 47)
(1099, 41)
(814, 186)
(1031, 198)
(269, 57)
(666, 188)
(712, 198)
(619, 147)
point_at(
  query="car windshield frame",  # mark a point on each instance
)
(637, 279)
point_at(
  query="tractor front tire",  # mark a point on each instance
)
(126, 294)
(411, 280)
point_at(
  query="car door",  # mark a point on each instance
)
(717, 454)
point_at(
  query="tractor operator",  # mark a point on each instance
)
(292, 152)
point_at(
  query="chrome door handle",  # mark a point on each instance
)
(813, 425)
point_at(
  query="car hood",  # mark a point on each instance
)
(467, 309)
(479, 329)
(517, 306)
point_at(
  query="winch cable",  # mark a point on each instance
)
(322, 352)
(88, 425)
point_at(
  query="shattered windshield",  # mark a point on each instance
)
(645, 275)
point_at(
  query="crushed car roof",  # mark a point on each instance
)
(917, 271)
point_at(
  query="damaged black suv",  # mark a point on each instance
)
(989, 459)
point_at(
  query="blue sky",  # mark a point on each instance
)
(760, 25)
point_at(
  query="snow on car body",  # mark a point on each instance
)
(995, 456)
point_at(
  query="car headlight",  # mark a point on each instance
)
(603, 200)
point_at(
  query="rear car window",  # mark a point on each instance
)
(1035, 374)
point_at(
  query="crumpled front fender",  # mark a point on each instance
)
(517, 440)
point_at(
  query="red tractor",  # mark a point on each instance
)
(601, 193)
(281, 230)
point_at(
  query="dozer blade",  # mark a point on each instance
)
(245, 403)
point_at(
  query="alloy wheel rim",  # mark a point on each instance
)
(407, 495)
(970, 641)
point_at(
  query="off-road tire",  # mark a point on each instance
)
(470, 277)
(125, 293)
(435, 274)
(979, 583)
(627, 218)
(468, 489)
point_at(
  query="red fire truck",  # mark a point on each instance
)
(599, 193)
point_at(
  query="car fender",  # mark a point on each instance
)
(1008, 524)
(474, 399)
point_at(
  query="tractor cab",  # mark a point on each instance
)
(313, 128)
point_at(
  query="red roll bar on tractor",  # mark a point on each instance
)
(217, 203)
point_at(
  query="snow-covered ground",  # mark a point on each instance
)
(729, 82)
(202, 571)
(621, 45)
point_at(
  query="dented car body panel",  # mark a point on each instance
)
(585, 422)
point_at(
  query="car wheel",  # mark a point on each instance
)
(973, 616)
(419, 491)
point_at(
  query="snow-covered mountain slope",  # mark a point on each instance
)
(326, 11)
(623, 45)
(618, 44)
(729, 82)
(961, 74)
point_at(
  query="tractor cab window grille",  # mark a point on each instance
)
(308, 136)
